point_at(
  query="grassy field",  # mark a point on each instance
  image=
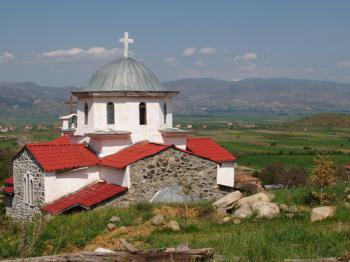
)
(256, 148)
(255, 239)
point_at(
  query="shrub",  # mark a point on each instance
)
(294, 176)
(272, 173)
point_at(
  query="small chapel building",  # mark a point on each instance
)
(120, 146)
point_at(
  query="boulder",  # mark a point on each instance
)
(174, 226)
(265, 209)
(111, 226)
(243, 212)
(115, 219)
(221, 212)
(321, 213)
(228, 200)
(283, 207)
(249, 201)
(157, 220)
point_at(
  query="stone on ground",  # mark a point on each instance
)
(157, 220)
(237, 221)
(249, 201)
(228, 200)
(266, 209)
(174, 226)
(103, 250)
(111, 226)
(221, 212)
(226, 219)
(283, 207)
(321, 213)
(243, 212)
(115, 219)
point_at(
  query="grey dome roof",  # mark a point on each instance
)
(124, 74)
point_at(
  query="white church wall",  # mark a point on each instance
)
(58, 185)
(226, 174)
(81, 127)
(115, 176)
(105, 147)
(178, 141)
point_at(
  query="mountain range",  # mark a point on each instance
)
(30, 102)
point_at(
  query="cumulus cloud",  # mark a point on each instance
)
(76, 54)
(6, 58)
(343, 64)
(171, 61)
(190, 51)
(207, 51)
(246, 57)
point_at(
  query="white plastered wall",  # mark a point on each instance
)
(226, 174)
(105, 147)
(178, 141)
(62, 184)
(116, 176)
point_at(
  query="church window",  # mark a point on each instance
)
(110, 113)
(25, 186)
(28, 189)
(31, 192)
(86, 114)
(143, 113)
(165, 112)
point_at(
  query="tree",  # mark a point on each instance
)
(324, 172)
(294, 176)
(272, 173)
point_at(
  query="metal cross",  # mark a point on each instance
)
(126, 42)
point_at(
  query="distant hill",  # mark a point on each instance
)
(210, 96)
(323, 120)
(29, 102)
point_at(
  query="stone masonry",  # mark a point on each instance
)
(22, 165)
(173, 167)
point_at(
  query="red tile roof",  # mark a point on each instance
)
(87, 197)
(8, 181)
(133, 154)
(8, 189)
(52, 157)
(61, 140)
(208, 148)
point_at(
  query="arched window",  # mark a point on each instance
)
(165, 112)
(31, 192)
(25, 188)
(143, 113)
(86, 114)
(110, 113)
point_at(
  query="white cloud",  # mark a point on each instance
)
(199, 63)
(246, 57)
(76, 54)
(6, 58)
(190, 51)
(343, 64)
(171, 61)
(207, 51)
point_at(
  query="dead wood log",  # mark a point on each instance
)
(194, 255)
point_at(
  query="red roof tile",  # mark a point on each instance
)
(8, 181)
(61, 140)
(8, 189)
(53, 157)
(86, 197)
(133, 154)
(208, 148)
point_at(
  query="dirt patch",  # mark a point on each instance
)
(111, 241)
(169, 211)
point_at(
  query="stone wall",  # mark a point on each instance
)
(173, 167)
(25, 164)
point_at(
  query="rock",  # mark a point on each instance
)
(103, 250)
(321, 213)
(266, 209)
(293, 209)
(221, 212)
(348, 197)
(249, 201)
(115, 219)
(347, 190)
(226, 219)
(174, 226)
(157, 220)
(243, 212)
(237, 221)
(283, 207)
(111, 226)
(228, 200)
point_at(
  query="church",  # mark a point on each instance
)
(119, 147)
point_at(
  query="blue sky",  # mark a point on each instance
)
(63, 42)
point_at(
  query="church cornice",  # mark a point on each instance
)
(82, 94)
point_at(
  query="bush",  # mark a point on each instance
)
(272, 173)
(341, 174)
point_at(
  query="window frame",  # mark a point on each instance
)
(110, 108)
(86, 114)
(143, 113)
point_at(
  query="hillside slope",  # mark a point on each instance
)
(323, 120)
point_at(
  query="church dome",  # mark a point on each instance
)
(124, 74)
